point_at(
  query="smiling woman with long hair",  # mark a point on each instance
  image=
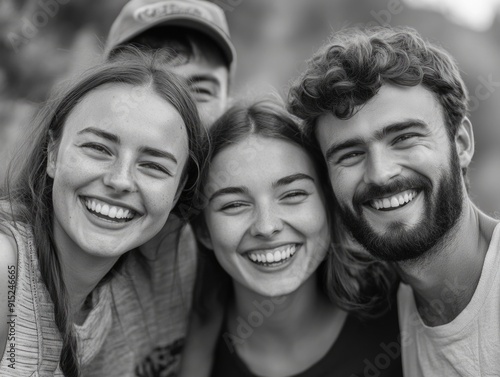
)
(297, 299)
(108, 159)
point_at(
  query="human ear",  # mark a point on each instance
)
(51, 156)
(464, 142)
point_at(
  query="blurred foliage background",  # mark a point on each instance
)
(45, 41)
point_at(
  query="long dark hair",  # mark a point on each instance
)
(349, 276)
(28, 188)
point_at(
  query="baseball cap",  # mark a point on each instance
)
(138, 16)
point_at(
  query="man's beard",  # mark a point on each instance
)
(401, 242)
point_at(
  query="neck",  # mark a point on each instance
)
(81, 276)
(81, 272)
(283, 318)
(445, 280)
(292, 332)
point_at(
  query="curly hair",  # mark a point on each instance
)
(350, 69)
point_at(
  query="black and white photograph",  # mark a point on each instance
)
(249, 188)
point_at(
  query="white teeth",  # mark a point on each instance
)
(272, 256)
(394, 201)
(108, 210)
(105, 210)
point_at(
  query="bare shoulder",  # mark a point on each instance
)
(8, 251)
(8, 279)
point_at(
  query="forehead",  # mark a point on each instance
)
(128, 111)
(122, 100)
(392, 104)
(259, 161)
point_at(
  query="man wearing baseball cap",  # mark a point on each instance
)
(196, 31)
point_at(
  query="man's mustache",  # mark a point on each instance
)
(371, 191)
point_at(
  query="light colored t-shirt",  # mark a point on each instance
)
(468, 346)
(150, 313)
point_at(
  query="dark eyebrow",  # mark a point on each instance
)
(392, 128)
(337, 147)
(105, 135)
(401, 126)
(228, 190)
(115, 139)
(291, 178)
(158, 153)
(203, 78)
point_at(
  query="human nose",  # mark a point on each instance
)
(266, 222)
(381, 167)
(120, 177)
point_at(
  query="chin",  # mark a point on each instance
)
(278, 291)
(104, 251)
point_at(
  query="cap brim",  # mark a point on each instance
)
(190, 22)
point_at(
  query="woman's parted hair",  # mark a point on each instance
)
(28, 188)
(352, 66)
(350, 277)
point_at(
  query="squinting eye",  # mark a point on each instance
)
(202, 91)
(96, 147)
(233, 207)
(350, 157)
(405, 137)
(294, 196)
(157, 167)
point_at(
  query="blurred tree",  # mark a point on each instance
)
(273, 39)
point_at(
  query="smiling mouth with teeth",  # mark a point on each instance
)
(108, 212)
(395, 201)
(273, 257)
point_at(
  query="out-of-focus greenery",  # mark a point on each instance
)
(273, 40)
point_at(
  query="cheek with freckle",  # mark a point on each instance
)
(162, 203)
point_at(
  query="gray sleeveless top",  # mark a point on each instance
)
(136, 327)
(36, 346)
